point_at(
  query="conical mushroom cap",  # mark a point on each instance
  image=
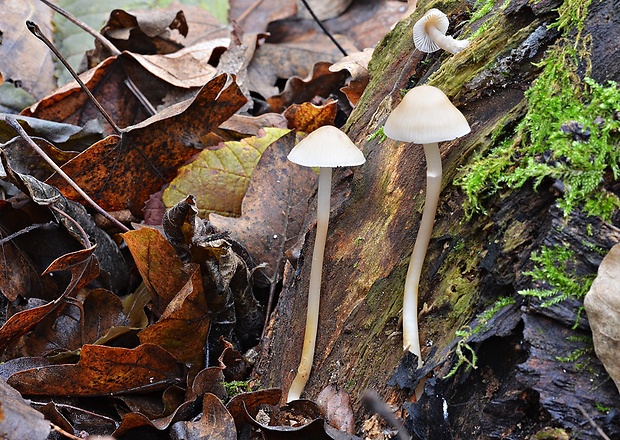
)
(421, 38)
(326, 147)
(425, 115)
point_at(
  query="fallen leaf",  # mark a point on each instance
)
(602, 303)
(272, 62)
(268, 229)
(336, 406)
(145, 31)
(307, 117)
(323, 9)
(18, 420)
(357, 65)
(219, 178)
(32, 66)
(161, 270)
(255, 16)
(188, 67)
(183, 327)
(122, 172)
(102, 371)
(215, 423)
(321, 83)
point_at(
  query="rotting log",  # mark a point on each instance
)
(520, 387)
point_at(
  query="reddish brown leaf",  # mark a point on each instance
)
(157, 261)
(102, 371)
(82, 264)
(137, 420)
(183, 327)
(210, 380)
(121, 173)
(268, 229)
(242, 404)
(307, 117)
(22, 322)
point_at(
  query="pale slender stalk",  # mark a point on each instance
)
(411, 339)
(446, 42)
(314, 291)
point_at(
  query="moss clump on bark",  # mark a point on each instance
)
(570, 131)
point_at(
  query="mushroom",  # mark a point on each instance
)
(425, 116)
(326, 147)
(429, 34)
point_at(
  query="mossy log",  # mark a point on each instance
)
(519, 387)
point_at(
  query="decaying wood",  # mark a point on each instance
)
(519, 387)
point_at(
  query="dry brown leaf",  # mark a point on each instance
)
(100, 371)
(357, 65)
(26, 62)
(188, 67)
(255, 16)
(268, 229)
(323, 9)
(307, 117)
(272, 62)
(602, 303)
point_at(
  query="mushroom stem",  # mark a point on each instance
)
(446, 42)
(314, 291)
(411, 339)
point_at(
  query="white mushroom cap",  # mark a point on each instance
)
(326, 147)
(421, 34)
(425, 115)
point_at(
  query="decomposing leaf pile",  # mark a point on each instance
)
(140, 332)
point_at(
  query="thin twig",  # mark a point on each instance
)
(593, 423)
(64, 433)
(25, 230)
(77, 226)
(34, 28)
(108, 45)
(331, 37)
(373, 402)
(76, 21)
(12, 122)
(248, 11)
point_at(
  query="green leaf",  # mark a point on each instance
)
(219, 178)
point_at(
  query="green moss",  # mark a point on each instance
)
(237, 387)
(569, 132)
(553, 268)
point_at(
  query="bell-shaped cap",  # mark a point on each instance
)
(421, 35)
(326, 147)
(425, 115)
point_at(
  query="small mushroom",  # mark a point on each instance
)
(429, 34)
(326, 148)
(425, 116)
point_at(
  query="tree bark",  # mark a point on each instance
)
(519, 387)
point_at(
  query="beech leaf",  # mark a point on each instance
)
(102, 371)
(121, 172)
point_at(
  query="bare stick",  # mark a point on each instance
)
(12, 122)
(34, 28)
(248, 11)
(593, 423)
(76, 21)
(27, 229)
(331, 37)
